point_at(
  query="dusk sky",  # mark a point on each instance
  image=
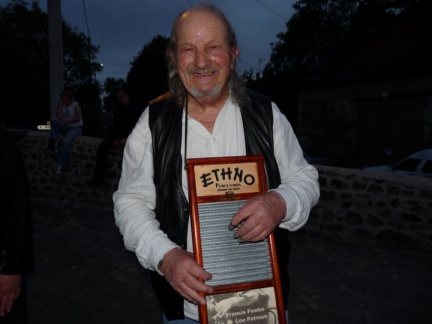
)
(122, 28)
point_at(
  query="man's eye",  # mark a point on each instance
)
(186, 50)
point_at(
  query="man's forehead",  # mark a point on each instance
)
(198, 31)
(200, 18)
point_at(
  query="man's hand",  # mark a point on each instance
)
(259, 217)
(185, 275)
(10, 287)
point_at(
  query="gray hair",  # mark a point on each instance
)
(236, 84)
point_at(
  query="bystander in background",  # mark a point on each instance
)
(124, 117)
(68, 123)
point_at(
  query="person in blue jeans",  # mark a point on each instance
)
(68, 122)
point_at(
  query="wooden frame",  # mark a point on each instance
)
(228, 182)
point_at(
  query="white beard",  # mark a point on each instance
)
(213, 92)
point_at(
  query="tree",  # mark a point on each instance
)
(24, 77)
(78, 58)
(111, 85)
(312, 35)
(319, 29)
(148, 76)
(334, 35)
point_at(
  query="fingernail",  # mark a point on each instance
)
(231, 226)
(235, 235)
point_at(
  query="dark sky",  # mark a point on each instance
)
(122, 28)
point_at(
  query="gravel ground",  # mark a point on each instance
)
(83, 275)
(335, 283)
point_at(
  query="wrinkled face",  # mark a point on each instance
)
(204, 58)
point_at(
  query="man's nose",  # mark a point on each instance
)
(202, 59)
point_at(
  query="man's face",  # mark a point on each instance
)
(122, 98)
(204, 58)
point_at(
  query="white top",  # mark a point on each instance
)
(134, 201)
(69, 112)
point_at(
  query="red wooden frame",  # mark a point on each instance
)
(195, 199)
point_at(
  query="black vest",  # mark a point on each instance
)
(172, 207)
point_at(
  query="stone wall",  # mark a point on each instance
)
(373, 208)
(71, 184)
(355, 205)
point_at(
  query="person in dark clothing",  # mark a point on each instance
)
(16, 255)
(124, 118)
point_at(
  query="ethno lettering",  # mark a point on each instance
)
(227, 174)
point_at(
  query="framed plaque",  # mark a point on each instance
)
(245, 275)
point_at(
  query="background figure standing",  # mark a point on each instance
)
(16, 257)
(124, 118)
(68, 123)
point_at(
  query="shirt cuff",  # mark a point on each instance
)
(158, 255)
(293, 219)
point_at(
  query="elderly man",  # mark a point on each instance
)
(210, 114)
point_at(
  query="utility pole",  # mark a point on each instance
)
(88, 45)
(55, 45)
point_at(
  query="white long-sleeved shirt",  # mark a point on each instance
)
(135, 199)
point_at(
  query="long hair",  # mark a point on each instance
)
(236, 84)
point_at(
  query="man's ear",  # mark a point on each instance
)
(234, 54)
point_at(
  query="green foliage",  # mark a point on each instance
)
(78, 57)
(148, 76)
(111, 85)
(24, 71)
(24, 63)
(336, 35)
(313, 33)
(319, 29)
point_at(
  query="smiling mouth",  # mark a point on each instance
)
(203, 73)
